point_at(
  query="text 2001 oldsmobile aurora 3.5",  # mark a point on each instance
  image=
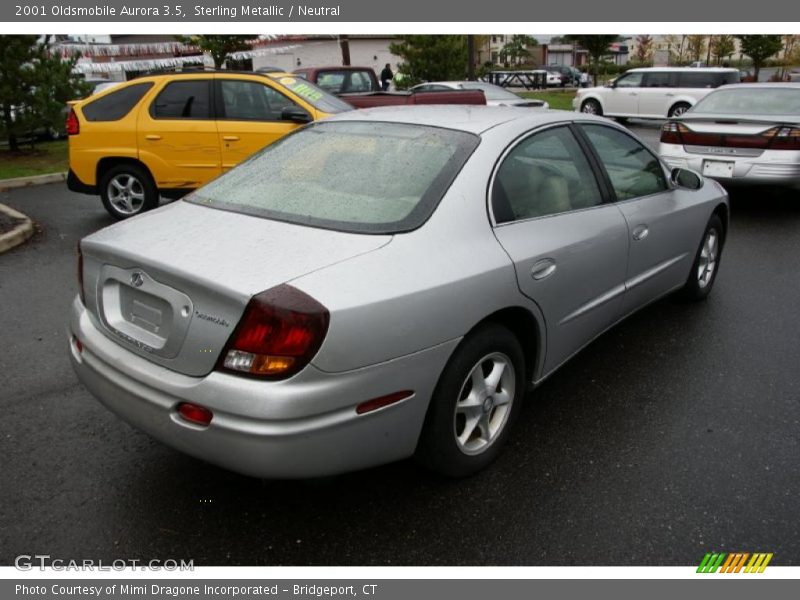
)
(384, 283)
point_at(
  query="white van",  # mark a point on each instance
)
(654, 92)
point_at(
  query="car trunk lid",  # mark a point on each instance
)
(171, 285)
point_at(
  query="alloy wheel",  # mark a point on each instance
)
(484, 403)
(708, 259)
(126, 193)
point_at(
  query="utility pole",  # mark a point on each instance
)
(471, 59)
(344, 44)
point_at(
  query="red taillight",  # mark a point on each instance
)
(671, 132)
(80, 275)
(195, 414)
(777, 138)
(783, 138)
(279, 333)
(73, 126)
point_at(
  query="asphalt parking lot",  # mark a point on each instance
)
(675, 434)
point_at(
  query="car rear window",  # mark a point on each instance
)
(356, 176)
(750, 101)
(115, 105)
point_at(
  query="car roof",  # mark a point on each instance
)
(687, 69)
(207, 72)
(462, 117)
(453, 83)
(764, 84)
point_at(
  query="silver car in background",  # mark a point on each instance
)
(385, 283)
(748, 133)
(495, 94)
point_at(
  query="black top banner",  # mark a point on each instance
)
(466, 11)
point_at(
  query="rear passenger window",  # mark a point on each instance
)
(697, 80)
(634, 171)
(545, 174)
(116, 104)
(183, 100)
(658, 79)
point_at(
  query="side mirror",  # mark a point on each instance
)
(611, 84)
(686, 179)
(296, 114)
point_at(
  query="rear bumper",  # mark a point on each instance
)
(76, 185)
(264, 429)
(771, 167)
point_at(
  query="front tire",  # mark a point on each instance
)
(706, 262)
(591, 107)
(475, 403)
(127, 190)
(678, 109)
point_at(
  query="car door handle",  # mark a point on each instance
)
(152, 137)
(543, 268)
(669, 95)
(640, 232)
(632, 94)
(230, 138)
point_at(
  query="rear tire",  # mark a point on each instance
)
(706, 262)
(592, 107)
(127, 190)
(475, 403)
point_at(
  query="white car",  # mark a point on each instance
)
(653, 93)
(746, 133)
(495, 95)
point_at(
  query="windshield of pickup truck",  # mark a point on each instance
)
(317, 97)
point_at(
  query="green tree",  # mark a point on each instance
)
(722, 47)
(759, 48)
(218, 46)
(431, 57)
(696, 45)
(517, 47)
(596, 46)
(644, 49)
(35, 85)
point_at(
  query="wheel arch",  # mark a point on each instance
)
(690, 102)
(596, 99)
(109, 162)
(528, 330)
(723, 212)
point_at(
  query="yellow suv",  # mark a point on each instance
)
(165, 135)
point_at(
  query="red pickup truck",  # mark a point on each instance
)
(372, 99)
(359, 86)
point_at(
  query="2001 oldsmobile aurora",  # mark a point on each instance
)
(384, 283)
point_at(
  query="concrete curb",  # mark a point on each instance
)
(18, 182)
(19, 234)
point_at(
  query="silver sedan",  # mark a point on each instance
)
(383, 284)
(495, 95)
(745, 133)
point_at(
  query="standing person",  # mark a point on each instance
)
(584, 79)
(386, 77)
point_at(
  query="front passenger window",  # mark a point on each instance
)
(634, 170)
(545, 174)
(630, 80)
(251, 101)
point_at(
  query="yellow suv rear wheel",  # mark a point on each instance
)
(127, 190)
